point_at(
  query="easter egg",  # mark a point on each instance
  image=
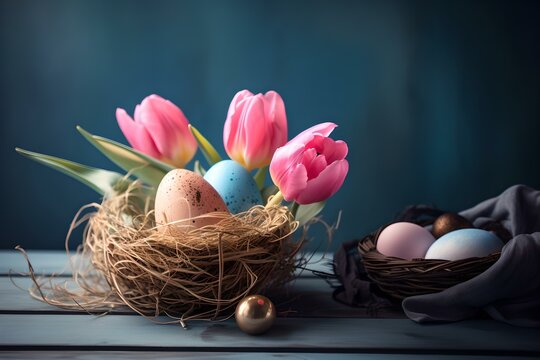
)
(464, 243)
(235, 185)
(255, 314)
(404, 240)
(182, 195)
(449, 222)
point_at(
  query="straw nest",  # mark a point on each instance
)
(399, 278)
(126, 260)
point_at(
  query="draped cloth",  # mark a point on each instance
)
(508, 291)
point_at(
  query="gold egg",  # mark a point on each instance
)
(255, 314)
(449, 222)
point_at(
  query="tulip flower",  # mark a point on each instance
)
(160, 130)
(311, 167)
(256, 126)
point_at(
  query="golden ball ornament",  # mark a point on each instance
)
(448, 222)
(255, 314)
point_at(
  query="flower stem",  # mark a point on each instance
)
(275, 200)
(260, 176)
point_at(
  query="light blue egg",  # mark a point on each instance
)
(464, 243)
(235, 185)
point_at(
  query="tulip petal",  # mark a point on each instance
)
(255, 127)
(317, 165)
(137, 113)
(237, 101)
(313, 162)
(257, 134)
(331, 149)
(233, 140)
(158, 127)
(175, 115)
(337, 151)
(284, 158)
(276, 116)
(230, 131)
(308, 156)
(168, 127)
(136, 134)
(325, 185)
(307, 135)
(183, 146)
(176, 119)
(294, 182)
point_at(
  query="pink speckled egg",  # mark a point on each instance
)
(182, 195)
(404, 240)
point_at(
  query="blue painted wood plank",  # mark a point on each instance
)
(44, 261)
(304, 297)
(288, 335)
(54, 262)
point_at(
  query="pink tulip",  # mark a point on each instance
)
(256, 126)
(311, 167)
(160, 130)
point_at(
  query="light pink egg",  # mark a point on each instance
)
(183, 195)
(404, 240)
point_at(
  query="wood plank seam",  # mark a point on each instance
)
(324, 350)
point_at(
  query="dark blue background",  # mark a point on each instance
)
(438, 100)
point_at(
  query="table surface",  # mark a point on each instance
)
(313, 326)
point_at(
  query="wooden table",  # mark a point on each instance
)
(316, 327)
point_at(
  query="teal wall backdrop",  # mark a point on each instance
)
(438, 100)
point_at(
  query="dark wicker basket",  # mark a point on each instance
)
(399, 278)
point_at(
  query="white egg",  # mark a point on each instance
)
(404, 240)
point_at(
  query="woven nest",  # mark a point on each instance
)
(166, 270)
(399, 278)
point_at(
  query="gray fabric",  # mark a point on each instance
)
(509, 290)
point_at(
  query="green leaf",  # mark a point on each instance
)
(293, 207)
(198, 168)
(260, 176)
(305, 213)
(209, 152)
(268, 191)
(105, 182)
(144, 167)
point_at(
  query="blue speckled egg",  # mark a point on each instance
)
(235, 185)
(464, 243)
